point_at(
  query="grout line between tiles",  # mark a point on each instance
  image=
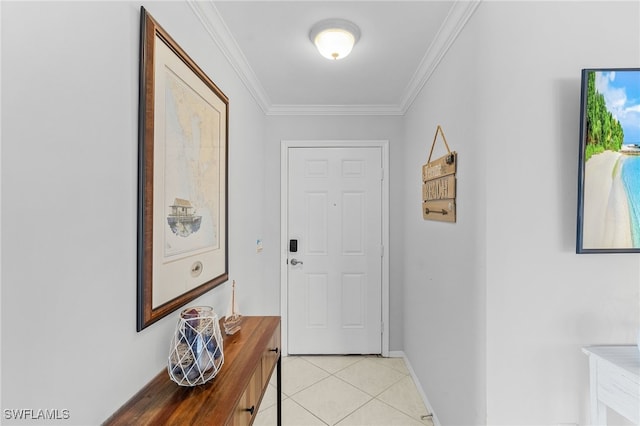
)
(305, 409)
(399, 410)
(353, 411)
(341, 369)
(404, 372)
(379, 393)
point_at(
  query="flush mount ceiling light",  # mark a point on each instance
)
(334, 38)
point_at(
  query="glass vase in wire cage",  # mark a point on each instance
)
(196, 352)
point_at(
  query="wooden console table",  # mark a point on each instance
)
(615, 382)
(231, 398)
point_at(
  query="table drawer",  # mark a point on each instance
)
(271, 356)
(247, 407)
(619, 389)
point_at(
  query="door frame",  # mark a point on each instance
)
(284, 220)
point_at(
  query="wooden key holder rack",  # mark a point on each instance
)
(439, 184)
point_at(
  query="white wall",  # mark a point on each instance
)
(337, 128)
(508, 97)
(69, 176)
(444, 297)
(544, 302)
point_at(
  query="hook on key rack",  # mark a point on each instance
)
(442, 211)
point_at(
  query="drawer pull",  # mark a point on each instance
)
(251, 410)
(274, 350)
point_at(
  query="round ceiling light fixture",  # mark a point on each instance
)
(334, 38)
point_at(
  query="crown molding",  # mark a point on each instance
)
(456, 19)
(334, 110)
(215, 26)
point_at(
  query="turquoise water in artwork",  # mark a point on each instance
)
(631, 181)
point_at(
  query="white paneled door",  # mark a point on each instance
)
(335, 250)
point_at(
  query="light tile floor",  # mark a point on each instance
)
(345, 391)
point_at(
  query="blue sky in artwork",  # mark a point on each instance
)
(621, 91)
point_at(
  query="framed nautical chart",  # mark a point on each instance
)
(182, 189)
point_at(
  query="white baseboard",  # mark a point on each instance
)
(401, 354)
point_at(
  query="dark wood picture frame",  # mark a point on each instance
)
(182, 178)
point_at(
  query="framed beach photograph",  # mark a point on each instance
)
(182, 188)
(609, 162)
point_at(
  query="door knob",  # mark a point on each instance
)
(295, 262)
